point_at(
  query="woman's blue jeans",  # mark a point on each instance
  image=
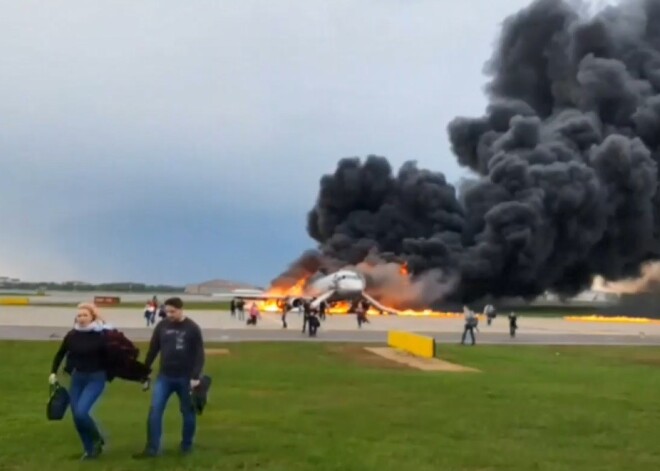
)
(85, 390)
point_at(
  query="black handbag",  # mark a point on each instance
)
(58, 402)
(199, 395)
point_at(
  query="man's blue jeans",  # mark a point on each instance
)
(163, 389)
(85, 390)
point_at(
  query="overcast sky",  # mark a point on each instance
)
(175, 142)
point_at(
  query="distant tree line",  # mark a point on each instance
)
(113, 287)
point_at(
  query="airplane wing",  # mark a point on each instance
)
(265, 297)
(257, 297)
(247, 297)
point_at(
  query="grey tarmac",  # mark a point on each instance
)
(51, 323)
(39, 333)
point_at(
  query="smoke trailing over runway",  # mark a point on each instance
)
(567, 161)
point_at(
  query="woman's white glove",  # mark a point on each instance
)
(52, 379)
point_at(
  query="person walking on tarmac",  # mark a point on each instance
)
(314, 324)
(156, 305)
(286, 307)
(232, 307)
(471, 322)
(254, 315)
(149, 313)
(361, 314)
(307, 311)
(240, 308)
(513, 324)
(490, 313)
(322, 308)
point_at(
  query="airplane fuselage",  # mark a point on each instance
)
(346, 284)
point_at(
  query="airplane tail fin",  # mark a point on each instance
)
(378, 305)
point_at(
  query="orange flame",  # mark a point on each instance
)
(341, 307)
(295, 290)
(276, 305)
(404, 269)
(269, 305)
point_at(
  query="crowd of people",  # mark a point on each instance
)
(312, 315)
(152, 309)
(490, 313)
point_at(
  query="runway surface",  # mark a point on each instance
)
(51, 323)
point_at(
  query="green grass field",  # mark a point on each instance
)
(295, 407)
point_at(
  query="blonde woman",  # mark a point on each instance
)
(84, 347)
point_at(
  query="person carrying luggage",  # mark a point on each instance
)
(178, 340)
(85, 349)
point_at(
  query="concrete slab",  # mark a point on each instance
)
(216, 351)
(425, 364)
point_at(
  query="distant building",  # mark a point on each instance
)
(218, 286)
(77, 283)
(4, 280)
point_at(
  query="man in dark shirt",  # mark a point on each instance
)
(178, 339)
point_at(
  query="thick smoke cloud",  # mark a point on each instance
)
(567, 158)
(649, 282)
(303, 267)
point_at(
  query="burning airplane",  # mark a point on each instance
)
(340, 290)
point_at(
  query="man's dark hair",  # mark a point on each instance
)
(174, 302)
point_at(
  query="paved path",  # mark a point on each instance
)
(44, 323)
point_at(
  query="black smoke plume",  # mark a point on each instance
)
(566, 156)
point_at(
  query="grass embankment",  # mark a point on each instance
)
(5, 294)
(295, 407)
